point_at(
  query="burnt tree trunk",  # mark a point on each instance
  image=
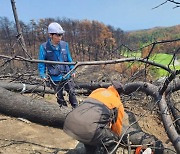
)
(25, 88)
(37, 111)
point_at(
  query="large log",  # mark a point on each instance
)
(37, 111)
(168, 124)
(25, 88)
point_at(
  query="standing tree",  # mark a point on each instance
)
(19, 30)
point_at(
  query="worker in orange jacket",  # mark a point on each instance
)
(98, 120)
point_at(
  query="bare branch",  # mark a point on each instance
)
(160, 5)
(77, 64)
(172, 1)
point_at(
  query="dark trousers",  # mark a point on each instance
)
(67, 85)
(90, 149)
(103, 142)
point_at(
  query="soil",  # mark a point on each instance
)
(20, 136)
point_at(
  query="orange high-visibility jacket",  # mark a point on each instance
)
(111, 99)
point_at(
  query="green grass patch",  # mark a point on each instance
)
(163, 59)
(160, 58)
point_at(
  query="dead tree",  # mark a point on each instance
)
(25, 88)
(19, 30)
(37, 111)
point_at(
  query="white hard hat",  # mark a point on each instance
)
(54, 27)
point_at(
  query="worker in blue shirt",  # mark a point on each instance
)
(57, 50)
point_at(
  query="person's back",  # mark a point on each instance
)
(111, 99)
(98, 120)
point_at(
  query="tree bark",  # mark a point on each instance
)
(19, 30)
(84, 89)
(25, 88)
(38, 111)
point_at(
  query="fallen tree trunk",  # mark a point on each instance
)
(169, 124)
(25, 88)
(37, 111)
(174, 86)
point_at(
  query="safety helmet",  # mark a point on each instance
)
(54, 27)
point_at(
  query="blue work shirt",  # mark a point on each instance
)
(42, 66)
